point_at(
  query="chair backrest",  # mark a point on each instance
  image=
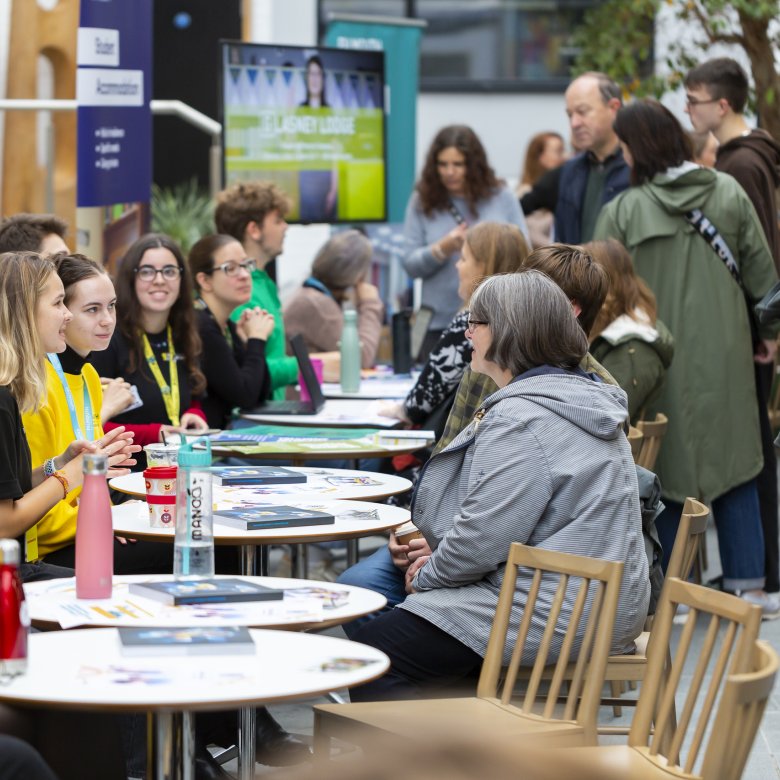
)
(727, 649)
(652, 434)
(635, 437)
(689, 539)
(598, 589)
(739, 716)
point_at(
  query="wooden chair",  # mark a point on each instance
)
(633, 668)
(652, 435)
(635, 440)
(732, 668)
(492, 712)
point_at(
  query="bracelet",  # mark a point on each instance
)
(63, 480)
(49, 467)
(438, 252)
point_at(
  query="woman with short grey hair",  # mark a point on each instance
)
(339, 276)
(545, 462)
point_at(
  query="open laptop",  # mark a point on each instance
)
(309, 379)
(422, 319)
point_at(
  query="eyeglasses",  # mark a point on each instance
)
(473, 323)
(691, 101)
(233, 269)
(148, 273)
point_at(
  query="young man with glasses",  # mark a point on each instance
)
(716, 93)
(253, 213)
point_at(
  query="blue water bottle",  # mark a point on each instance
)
(193, 550)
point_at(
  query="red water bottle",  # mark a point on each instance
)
(94, 532)
(14, 618)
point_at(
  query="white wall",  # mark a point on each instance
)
(504, 122)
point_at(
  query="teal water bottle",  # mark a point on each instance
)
(350, 353)
(193, 548)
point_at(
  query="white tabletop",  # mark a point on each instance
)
(381, 386)
(321, 484)
(340, 413)
(84, 669)
(306, 605)
(353, 519)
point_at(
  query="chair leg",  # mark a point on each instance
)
(616, 691)
(321, 739)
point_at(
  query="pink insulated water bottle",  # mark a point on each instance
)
(94, 532)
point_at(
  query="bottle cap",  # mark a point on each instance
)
(94, 464)
(188, 457)
(9, 552)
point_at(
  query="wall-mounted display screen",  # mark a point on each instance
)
(311, 120)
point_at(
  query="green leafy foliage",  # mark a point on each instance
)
(183, 212)
(617, 38)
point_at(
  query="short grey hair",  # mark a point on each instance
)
(531, 322)
(343, 261)
(608, 88)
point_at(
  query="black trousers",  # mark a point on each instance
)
(145, 558)
(131, 558)
(767, 481)
(425, 661)
(20, 761)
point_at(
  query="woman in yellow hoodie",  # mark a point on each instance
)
(75, 409)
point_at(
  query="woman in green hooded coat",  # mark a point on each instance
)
(712, 448)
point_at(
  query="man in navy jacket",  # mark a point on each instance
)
(599, 172)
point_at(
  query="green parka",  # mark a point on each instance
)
(638, 357)
(712, 443)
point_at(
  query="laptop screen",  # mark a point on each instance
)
(307, 371)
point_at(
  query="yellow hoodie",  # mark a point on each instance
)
(49, 431)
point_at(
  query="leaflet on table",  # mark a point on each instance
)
(260, 434)
(134, 610)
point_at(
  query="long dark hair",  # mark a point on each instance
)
(481, 180)
(74, 268)
(627, 291)
(654, 137)
(181, 316)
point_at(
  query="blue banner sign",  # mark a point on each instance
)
(113, 90)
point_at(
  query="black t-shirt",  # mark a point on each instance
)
(15, 461)
(115, 361)
(236, 376)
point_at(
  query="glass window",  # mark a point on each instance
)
(490, 45)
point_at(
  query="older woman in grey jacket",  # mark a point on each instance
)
(545, 462)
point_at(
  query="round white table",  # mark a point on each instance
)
(353, 520)
(85, 670)
(49, 600)
(321, 483)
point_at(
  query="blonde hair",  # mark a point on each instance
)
(23, 276)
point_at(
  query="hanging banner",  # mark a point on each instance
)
(113, 91)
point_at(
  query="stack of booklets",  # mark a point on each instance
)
(264, 516)
(205, 640)
(255, 475)
(203, 591)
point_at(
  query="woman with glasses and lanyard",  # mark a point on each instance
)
(156, 346)
(233, 353)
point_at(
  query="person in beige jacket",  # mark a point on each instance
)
(338, 276)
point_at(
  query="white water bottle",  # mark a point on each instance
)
(350, 353)
(193, 550)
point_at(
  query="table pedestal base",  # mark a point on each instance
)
(174, 748)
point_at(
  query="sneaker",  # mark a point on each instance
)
(769, 603)
(681, 616)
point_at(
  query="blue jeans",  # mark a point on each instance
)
(377, 573)
(740, 538)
